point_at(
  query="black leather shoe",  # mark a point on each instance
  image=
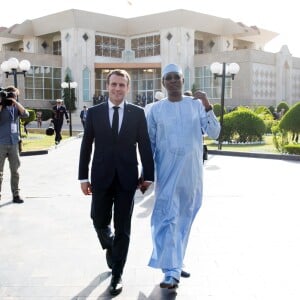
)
(169, 283)
(185, 274)
(17, 199)
(109, 258)
(116, 285)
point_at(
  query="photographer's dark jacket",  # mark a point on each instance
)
(10, 115)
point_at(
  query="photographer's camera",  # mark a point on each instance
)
(4, 97)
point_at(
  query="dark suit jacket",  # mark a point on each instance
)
(58, 114)
(120, 156)
(82, 114)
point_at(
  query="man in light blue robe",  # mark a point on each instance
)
(176, 125)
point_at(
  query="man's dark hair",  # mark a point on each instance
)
(118, 72)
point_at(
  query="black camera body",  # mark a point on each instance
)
(4, 95)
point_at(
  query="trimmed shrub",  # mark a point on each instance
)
(280, 138)
(292, 149)
(26, 121)
(243, 125)
(264, 113)
(271, 109)
(282, 106)
(46, 114)
(291, 120)
(217, 109)
(32, 117)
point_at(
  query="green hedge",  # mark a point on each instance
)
(32, 117)
(282, 105)
(217, 109)
(292, 149)
(46, 114)
(243, 125)
(291, 119)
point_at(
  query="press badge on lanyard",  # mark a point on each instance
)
(13, 125)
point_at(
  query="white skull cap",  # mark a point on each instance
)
(158, 95)
(171, 68)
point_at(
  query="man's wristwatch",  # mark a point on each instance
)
(207, 109)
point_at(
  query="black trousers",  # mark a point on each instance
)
(57, 128)
(117, 204)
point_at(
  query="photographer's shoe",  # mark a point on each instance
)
(17, 199)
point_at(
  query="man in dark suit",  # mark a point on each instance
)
(115, 128)
(59, 111)
(83, 115)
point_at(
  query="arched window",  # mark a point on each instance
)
(187, 84)
(86, 84)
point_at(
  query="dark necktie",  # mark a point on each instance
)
(115, 122)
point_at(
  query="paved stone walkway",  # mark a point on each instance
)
(245, 242)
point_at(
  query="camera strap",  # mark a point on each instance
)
(13, 126)
(11, 110)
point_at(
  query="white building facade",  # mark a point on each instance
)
(87, 45)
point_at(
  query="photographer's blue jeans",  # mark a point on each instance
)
(11, 152)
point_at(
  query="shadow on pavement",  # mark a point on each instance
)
(5, 204)
(159, 294)
(92, 286)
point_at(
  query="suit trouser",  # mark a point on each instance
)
(116, 202)
(57, 128)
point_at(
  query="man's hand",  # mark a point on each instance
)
(86, 188)
(202, 96)
(13, 100)
(143, 185)
(18, 105)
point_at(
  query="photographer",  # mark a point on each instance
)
(10, 111)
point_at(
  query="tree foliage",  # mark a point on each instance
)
(69, 95)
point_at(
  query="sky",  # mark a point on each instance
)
(282, 19)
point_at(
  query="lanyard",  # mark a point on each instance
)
(11, 110)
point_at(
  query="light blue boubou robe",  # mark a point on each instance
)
(175, 130)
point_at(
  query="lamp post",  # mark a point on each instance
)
(224, 71)
(10, 67)
(69, 85)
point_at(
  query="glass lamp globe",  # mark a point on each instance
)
(73, 85)
(24, 65)
(233, 68)
(13, 63)
(5, 67)
(216, 68)
(64, 85)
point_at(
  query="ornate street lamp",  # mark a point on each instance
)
(69, 85)
(224, 71)
(10, 67)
